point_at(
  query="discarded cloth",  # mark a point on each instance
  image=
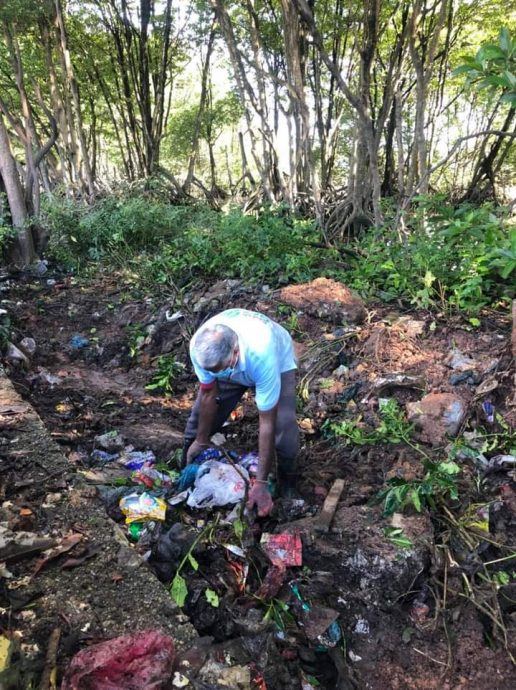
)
(142, 661)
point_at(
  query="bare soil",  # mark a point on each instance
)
(402, 627)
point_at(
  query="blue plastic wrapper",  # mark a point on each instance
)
(137, 459)
(489, 411)
(77, 342)
(102, 456)
(249, 461)
(214, 454)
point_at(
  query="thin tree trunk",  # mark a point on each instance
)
(23, 252)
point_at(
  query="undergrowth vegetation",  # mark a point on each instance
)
(440, 256)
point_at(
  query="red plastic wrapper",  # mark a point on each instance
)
(283, 550)
(142, 661)
(272, 582)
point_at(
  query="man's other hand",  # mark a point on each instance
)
(260, 498)
(195, 449)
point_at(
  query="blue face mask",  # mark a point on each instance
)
(226, 373)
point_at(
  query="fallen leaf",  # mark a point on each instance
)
(67, 543)
(90, 552)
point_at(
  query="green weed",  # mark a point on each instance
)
(438, 482)
(168, 369)
(393, 428)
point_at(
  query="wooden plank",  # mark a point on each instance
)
(323, 521)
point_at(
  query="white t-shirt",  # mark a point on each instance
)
(265, 351)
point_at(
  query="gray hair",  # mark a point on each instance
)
(213, 345)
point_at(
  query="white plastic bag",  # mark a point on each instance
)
(218, 484)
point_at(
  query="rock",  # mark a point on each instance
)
(410, 327)
(459, 361)
(15, 356)
(437, 415)
(326, 299)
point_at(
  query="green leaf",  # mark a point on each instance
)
(406, 635)
(212, 598)
(179, 590)
(416, 500)
(461, 69)
(511, 79)
(490, 51)
(238, 528)
(474, 321)
(509, 98)
(449, 467)
(193, 562)
(505, 40)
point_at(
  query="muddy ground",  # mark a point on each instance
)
(427, 615)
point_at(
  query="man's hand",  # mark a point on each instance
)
(260, 498)
(194, 450)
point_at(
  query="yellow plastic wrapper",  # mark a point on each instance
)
(140, 507)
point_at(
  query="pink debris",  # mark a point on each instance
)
(142, 661)
(284, 550)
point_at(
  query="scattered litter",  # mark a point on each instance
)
(136, 459)
(397, 381)
(142, 661)
(489, 411)
(137, 507)
(6, 646)
(135, 529)
(103, 457)
(272, 582)
(502, 462)
(15, 356)
(320, 622)
(218, 484)
(151, 478)
(349, 393)
(28, 345)
(459, 361)
(77, 342)
(187, 476)
(110, 441)
(171, 547)
(178, 498)
(472, 378)
(487, 386)
(16, 545)
(283, 550)
(250, 461)
(218, 439)
(44, 376)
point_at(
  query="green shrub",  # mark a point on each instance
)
(453, 257)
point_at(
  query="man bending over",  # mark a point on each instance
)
(233, 351)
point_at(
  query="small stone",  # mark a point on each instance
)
(437, 415)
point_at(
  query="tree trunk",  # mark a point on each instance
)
(22, 252)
